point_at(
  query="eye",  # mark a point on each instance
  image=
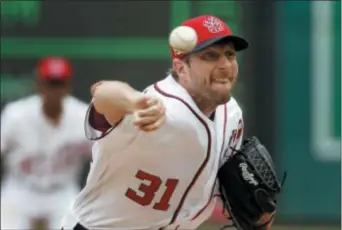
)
(230, 54)
(210, 56)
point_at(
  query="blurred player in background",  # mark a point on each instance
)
(43, 149)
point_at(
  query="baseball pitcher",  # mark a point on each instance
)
(157, 153)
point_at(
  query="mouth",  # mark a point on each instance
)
(222, 81)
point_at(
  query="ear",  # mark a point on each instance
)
(179, 66)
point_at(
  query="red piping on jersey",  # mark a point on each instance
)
(224, 128)
(97, 120)
(206, 160)
(222, 149)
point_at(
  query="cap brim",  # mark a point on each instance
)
(238, 42)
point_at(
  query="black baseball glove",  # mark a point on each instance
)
(249, 185)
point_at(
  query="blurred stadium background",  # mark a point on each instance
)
(289, 84)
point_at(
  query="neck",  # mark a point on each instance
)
(205, 106)
(52, 111)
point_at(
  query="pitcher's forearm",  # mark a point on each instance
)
(114, 99)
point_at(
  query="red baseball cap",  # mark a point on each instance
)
(54, 68)
(211, 30)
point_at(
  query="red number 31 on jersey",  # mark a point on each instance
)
(149, 187)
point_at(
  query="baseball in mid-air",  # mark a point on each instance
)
(183, 39)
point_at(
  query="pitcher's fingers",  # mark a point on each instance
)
(152, 101)
(141, 121)
(142, 103)
(153, 126)
(151, 111)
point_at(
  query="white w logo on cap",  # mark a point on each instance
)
(213, 24)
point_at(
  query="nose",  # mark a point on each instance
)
(224, 62)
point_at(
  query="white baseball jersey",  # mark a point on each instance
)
(161, 179)
(42, 160)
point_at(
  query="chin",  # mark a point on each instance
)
(223, 100)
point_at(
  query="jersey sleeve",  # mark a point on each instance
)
(96, 125)
(7, 128)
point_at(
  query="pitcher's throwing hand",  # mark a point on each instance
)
(152, 116)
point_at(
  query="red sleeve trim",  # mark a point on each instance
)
(98, 121)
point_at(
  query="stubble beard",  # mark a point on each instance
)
(208, 103)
